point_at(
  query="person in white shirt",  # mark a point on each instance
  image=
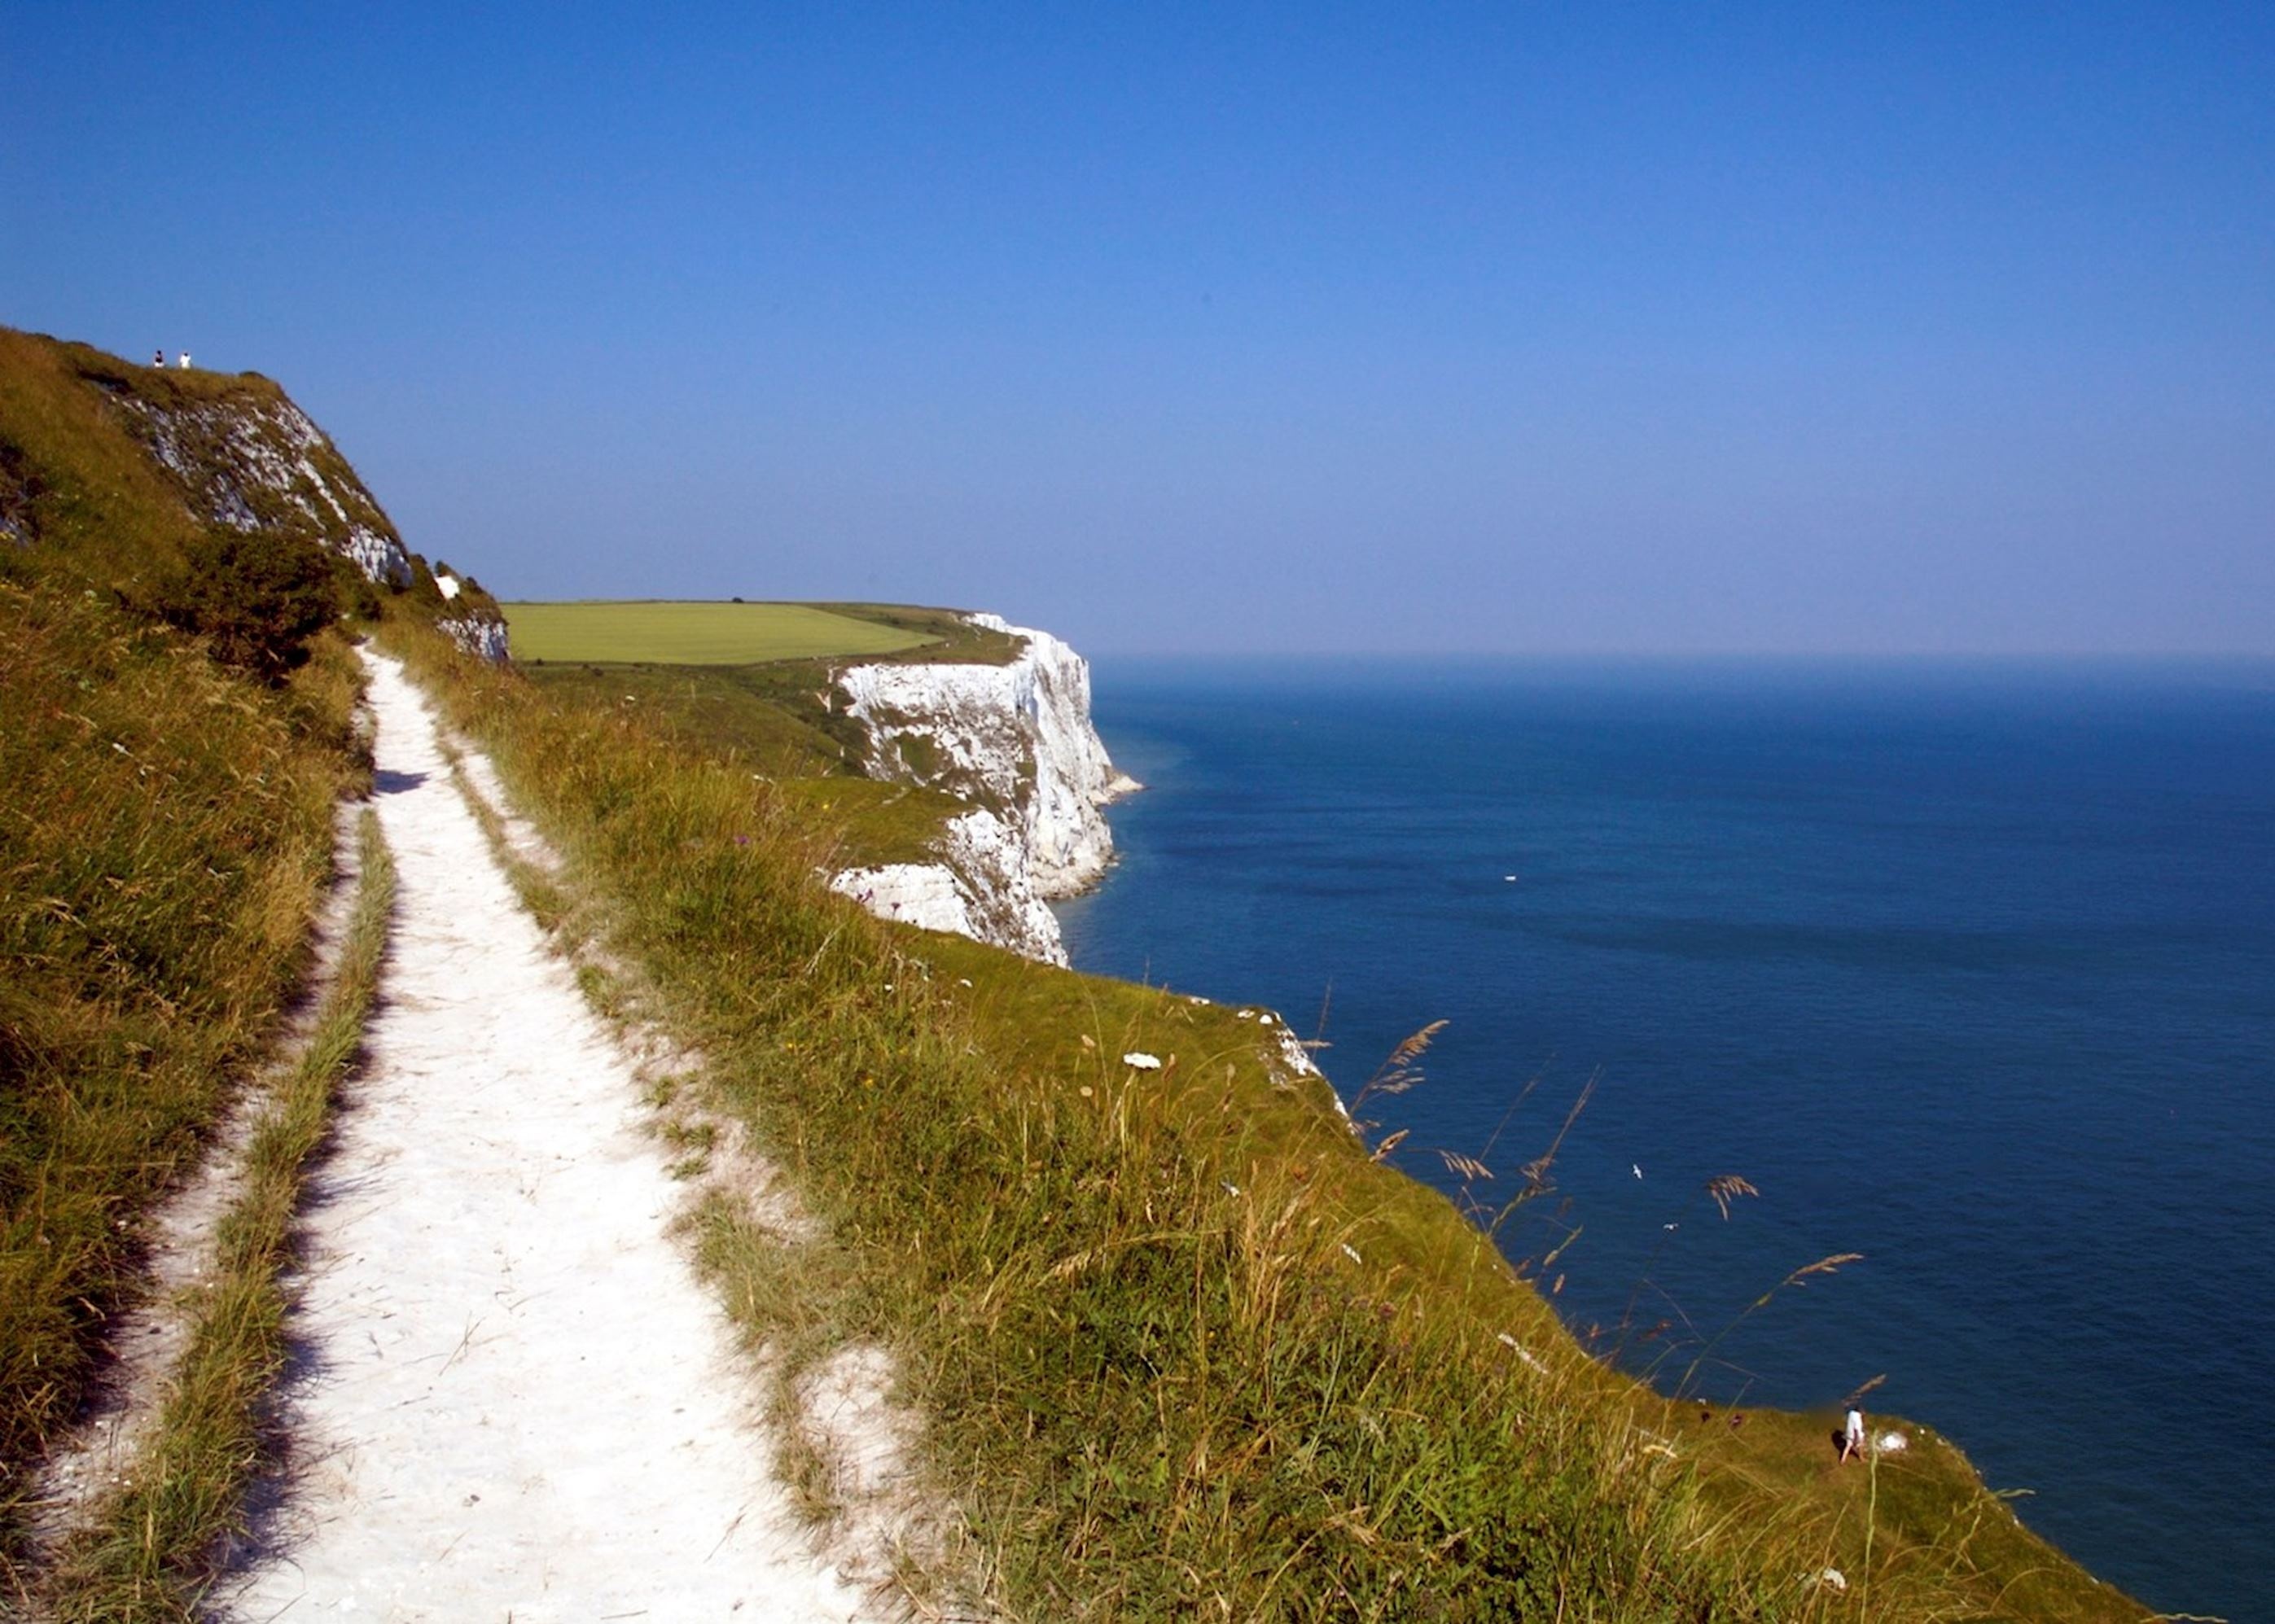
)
(1852, 1436)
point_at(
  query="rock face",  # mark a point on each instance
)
(1016, 741)
(486, 638)
(251, 463)
(982, 887)
(253, 460)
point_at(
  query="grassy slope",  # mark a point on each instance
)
(166, 828)
(1188, 1348)
(94, 493)
(146, 1553)
(77, 478)
(776, 716)
(164, 834)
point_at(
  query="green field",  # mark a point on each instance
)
(602, 633)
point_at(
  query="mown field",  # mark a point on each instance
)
(691, 633)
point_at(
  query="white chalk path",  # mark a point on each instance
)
(522, 1404)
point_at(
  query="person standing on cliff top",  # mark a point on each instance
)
(185, 360)
(1851, 1435)
(158, 359)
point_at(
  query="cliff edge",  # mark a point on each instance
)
(1013, 739)
(134, 471)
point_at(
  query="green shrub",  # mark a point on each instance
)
(256, 597)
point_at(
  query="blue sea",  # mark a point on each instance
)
(1968, 968)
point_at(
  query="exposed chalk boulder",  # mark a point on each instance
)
(477, 635)
(983, 888)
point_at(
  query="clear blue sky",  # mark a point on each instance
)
(1506, 326)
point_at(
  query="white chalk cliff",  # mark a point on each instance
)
(253, 461)
(1016, 741)
(251, 464)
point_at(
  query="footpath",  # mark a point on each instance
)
(516, 1401)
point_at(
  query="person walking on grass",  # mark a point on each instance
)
(1851, 1435)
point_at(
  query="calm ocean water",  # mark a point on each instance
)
(1971, 971)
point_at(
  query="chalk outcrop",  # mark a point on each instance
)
(247, 458)
(1016, 741)
(983, 887)
(476, 634)
(251, 463)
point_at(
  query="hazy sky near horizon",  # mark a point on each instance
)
(1482, 328)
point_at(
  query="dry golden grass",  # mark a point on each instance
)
(165, 834)
(149, 1548)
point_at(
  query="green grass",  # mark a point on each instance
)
(949, 635)
(694, 634)
(775, 716)
(148, 1552)
(1155, 1376)
(166, 829)
(165, 833)
(83, 482)
(772, 718)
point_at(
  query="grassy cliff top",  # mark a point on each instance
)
(706, 632)
(118, 464)
(753, 683)
(694, 633)
(130, 477)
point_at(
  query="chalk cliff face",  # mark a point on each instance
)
(249, 464)
(478, 632)
(1016, 741)
(983, 888)
(252, 460)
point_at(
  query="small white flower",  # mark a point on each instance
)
(1142, 1061)
(1519, 1349)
